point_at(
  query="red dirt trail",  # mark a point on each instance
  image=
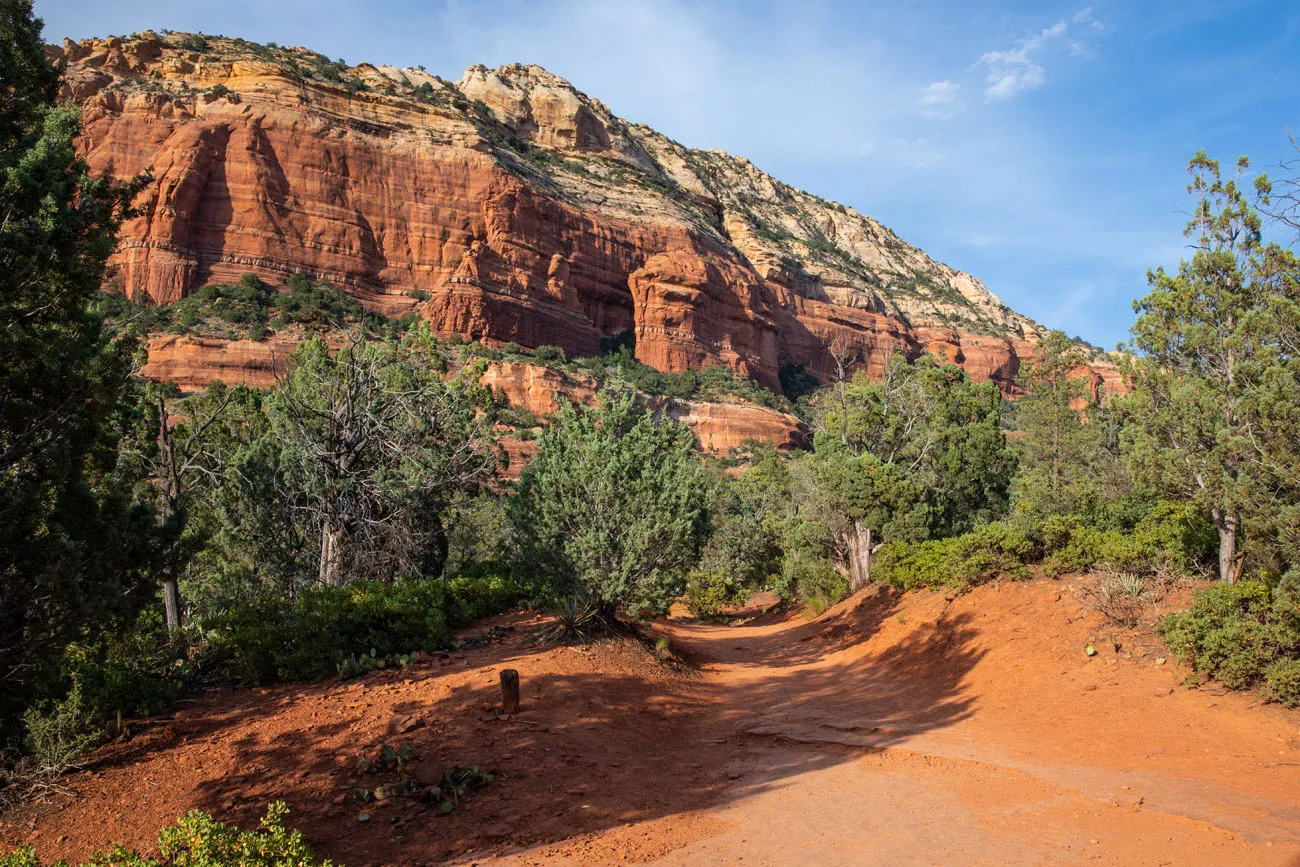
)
(893, 730)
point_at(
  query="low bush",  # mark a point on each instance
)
(135, 673)
(1282, 682)
(268, 638)
(987, 552)
(59, 735)
(1243, 635)
(708, 593)
(481, 590)
(1165, 536)
(812, 582)
(198, 840)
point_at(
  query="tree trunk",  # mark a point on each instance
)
(172, 605)
(168, 514)
(1229, 565)
(331, 554)
(859, 557)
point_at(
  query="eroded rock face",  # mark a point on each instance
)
(194, 363)
(507, 207)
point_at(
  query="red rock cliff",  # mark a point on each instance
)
(507, 207)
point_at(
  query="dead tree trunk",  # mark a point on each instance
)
(331, 554)
(860, 551)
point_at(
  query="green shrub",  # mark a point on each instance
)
(58, 736)
(266, 639)
(987, 552)
(482, 590)
(270, 639)
(314, 303)
(1282, 682)
(1164, 536)
(1240, 634)
(813, 582)
(549, 353)
(198, 840)
(708, 593)
(135, 673)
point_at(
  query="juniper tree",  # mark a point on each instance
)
(374, 442)
(614, 504)
(75, 543)
(917, 454)
(1068, 459)
(1213, 406)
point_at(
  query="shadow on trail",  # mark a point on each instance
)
(600, 750)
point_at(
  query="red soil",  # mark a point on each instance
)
(893, 730)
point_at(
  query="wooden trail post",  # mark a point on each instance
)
(509, 691)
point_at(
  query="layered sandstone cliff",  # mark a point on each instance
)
(505, 207)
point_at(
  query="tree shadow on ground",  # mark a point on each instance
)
(598, 749)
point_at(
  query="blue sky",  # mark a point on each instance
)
(1040, 146)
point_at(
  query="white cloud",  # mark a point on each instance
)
(1019, 69)
(940, 100)
(1014, 71)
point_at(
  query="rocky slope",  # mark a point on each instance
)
(505, 207)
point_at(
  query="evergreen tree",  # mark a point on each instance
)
(614, 504)
(373, 445)
(75, 543)
(1213, 406)
(1068, 463)
(918, 454)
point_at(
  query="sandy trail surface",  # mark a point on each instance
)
(893, 730)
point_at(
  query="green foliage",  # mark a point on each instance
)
(250, 309)
(60, 735)
(1217, 370)
(1068, 454)
(372, 443)
(1282, 681)
(77, 541)
(919, 454)
(198, 840)
(136, 671)
(708, 593)
(1166, 536)
(550, 353)
(314, 303)
(745, 546)
(988, 552)
(811, 582)
(1242, 634)
(615, 503)
(273, 639)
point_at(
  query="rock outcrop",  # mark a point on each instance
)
(719, 428)
(506, 207)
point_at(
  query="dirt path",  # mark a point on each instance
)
(892, 731)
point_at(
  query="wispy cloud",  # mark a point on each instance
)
(940, 100)
(1019, 69)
